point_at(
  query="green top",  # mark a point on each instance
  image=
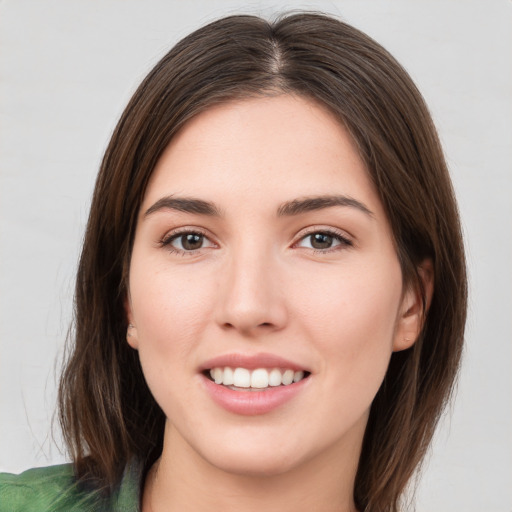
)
(54, 489)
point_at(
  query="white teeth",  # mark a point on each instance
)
(287, 377)
(274, 377)
(242, 378)
(260, 378)
(298, 376)
(228, 377)
(218, 375)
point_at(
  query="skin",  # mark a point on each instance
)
(257, 284)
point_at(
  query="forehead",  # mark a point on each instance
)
(272, 149)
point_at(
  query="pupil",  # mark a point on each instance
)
(191, 241)
(321, 241)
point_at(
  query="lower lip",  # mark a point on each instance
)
(252, 403)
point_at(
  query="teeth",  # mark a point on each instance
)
(260, 378)
(242, 378)
(218, 375)
(275, 378)
(228, 377)
(298, 376)
(287, 377)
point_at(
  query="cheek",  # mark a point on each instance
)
(353, 301)
(352, 319)
(170, 310)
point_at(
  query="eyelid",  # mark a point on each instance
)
(344, 238)
(166, 240)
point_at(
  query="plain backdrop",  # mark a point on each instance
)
(67, 69)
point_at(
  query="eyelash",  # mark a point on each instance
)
(339, 236)
(167, 240)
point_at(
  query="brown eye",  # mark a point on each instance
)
(191, 241)
(321, 241)
(187, 242)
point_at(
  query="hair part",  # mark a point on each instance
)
(107, 412)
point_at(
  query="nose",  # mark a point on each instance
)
(251, 294)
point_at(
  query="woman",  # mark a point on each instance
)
(271, 297)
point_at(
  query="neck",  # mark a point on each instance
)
(181, 480)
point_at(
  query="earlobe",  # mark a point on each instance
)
(131, 336)
(414, 307)
(131, 331)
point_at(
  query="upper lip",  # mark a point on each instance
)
(251, 362)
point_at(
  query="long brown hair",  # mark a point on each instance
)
(107, 412)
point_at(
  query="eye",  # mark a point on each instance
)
(188, 241)
(323, 241)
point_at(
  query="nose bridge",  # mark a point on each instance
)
(251, 297)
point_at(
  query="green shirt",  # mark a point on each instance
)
(54, 489)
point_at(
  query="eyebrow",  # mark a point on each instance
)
(308, 204)
(290, 208)
(184, 204)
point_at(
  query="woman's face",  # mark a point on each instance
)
(262, 247)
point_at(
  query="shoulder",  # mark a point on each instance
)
(44, 489)
(55, 489)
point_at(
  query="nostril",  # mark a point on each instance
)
(228, 325)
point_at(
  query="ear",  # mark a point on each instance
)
(414, 307)
(131, 331)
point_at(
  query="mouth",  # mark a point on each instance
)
(254, 384)
(257, 379)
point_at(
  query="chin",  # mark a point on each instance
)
(255, 457)
(253, 465)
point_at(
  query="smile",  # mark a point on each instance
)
(253, 384)
(244, 379)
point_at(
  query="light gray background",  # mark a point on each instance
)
(67, 69)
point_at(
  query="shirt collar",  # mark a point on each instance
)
(128, 497)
